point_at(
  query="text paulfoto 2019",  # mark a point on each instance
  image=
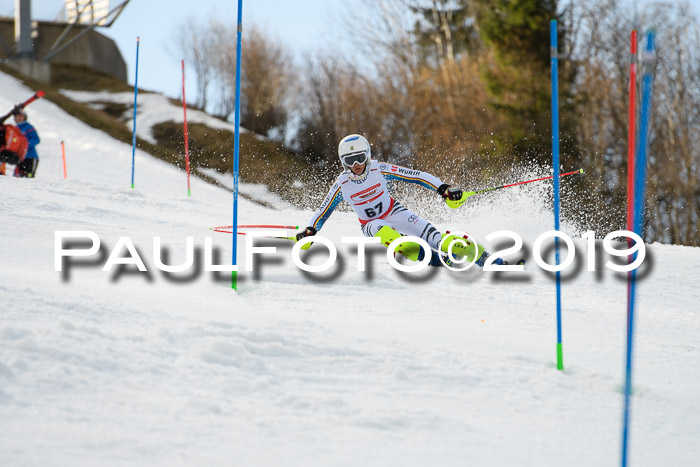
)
(359, 243)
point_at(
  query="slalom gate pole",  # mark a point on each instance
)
(555, 164)
(63, 151)
(136, 94)
(187, 142)
(630, 130)
(236, 143)
(631, 147)
(639, 198)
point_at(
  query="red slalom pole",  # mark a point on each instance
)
(187, 143)
(630, 132)
(631, 149)
(63, 151)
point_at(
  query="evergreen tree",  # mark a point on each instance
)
(517, 34)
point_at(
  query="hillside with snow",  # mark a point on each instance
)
(341, 368)
(155, 108)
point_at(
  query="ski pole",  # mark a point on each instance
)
(37, 95)
(229, 230)
(457, 203)
(254, 226)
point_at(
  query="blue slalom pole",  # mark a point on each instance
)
(640, 177)
(136, 94)
(236, 145)
(555, 164)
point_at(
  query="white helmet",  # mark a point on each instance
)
(352, 149)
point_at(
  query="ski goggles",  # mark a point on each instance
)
(353, 158)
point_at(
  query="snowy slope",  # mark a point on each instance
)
(152, 109)
(343, 369)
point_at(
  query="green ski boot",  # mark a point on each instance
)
(470, 251)
(410, 250)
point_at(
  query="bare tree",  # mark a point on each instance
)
(437, 109)
(223, 62)
(267, 76)
(266, 70)
(195, 44)
(673, 189)
(338, 101)
(674, 172)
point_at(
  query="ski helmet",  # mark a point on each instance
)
(352, 149)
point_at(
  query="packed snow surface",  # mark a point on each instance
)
(342, 368)
(253, 191)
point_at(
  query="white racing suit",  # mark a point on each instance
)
(374, 206)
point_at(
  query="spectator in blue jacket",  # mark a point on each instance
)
(27, 168)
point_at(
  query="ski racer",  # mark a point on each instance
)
(363, 184)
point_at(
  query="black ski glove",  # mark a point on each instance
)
(308, 232)
(452, 194)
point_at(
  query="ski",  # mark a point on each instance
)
(37, 95)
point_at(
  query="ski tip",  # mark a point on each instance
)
(40, 94)
(580, 171)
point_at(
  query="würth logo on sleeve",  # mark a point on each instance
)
(409, 172)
